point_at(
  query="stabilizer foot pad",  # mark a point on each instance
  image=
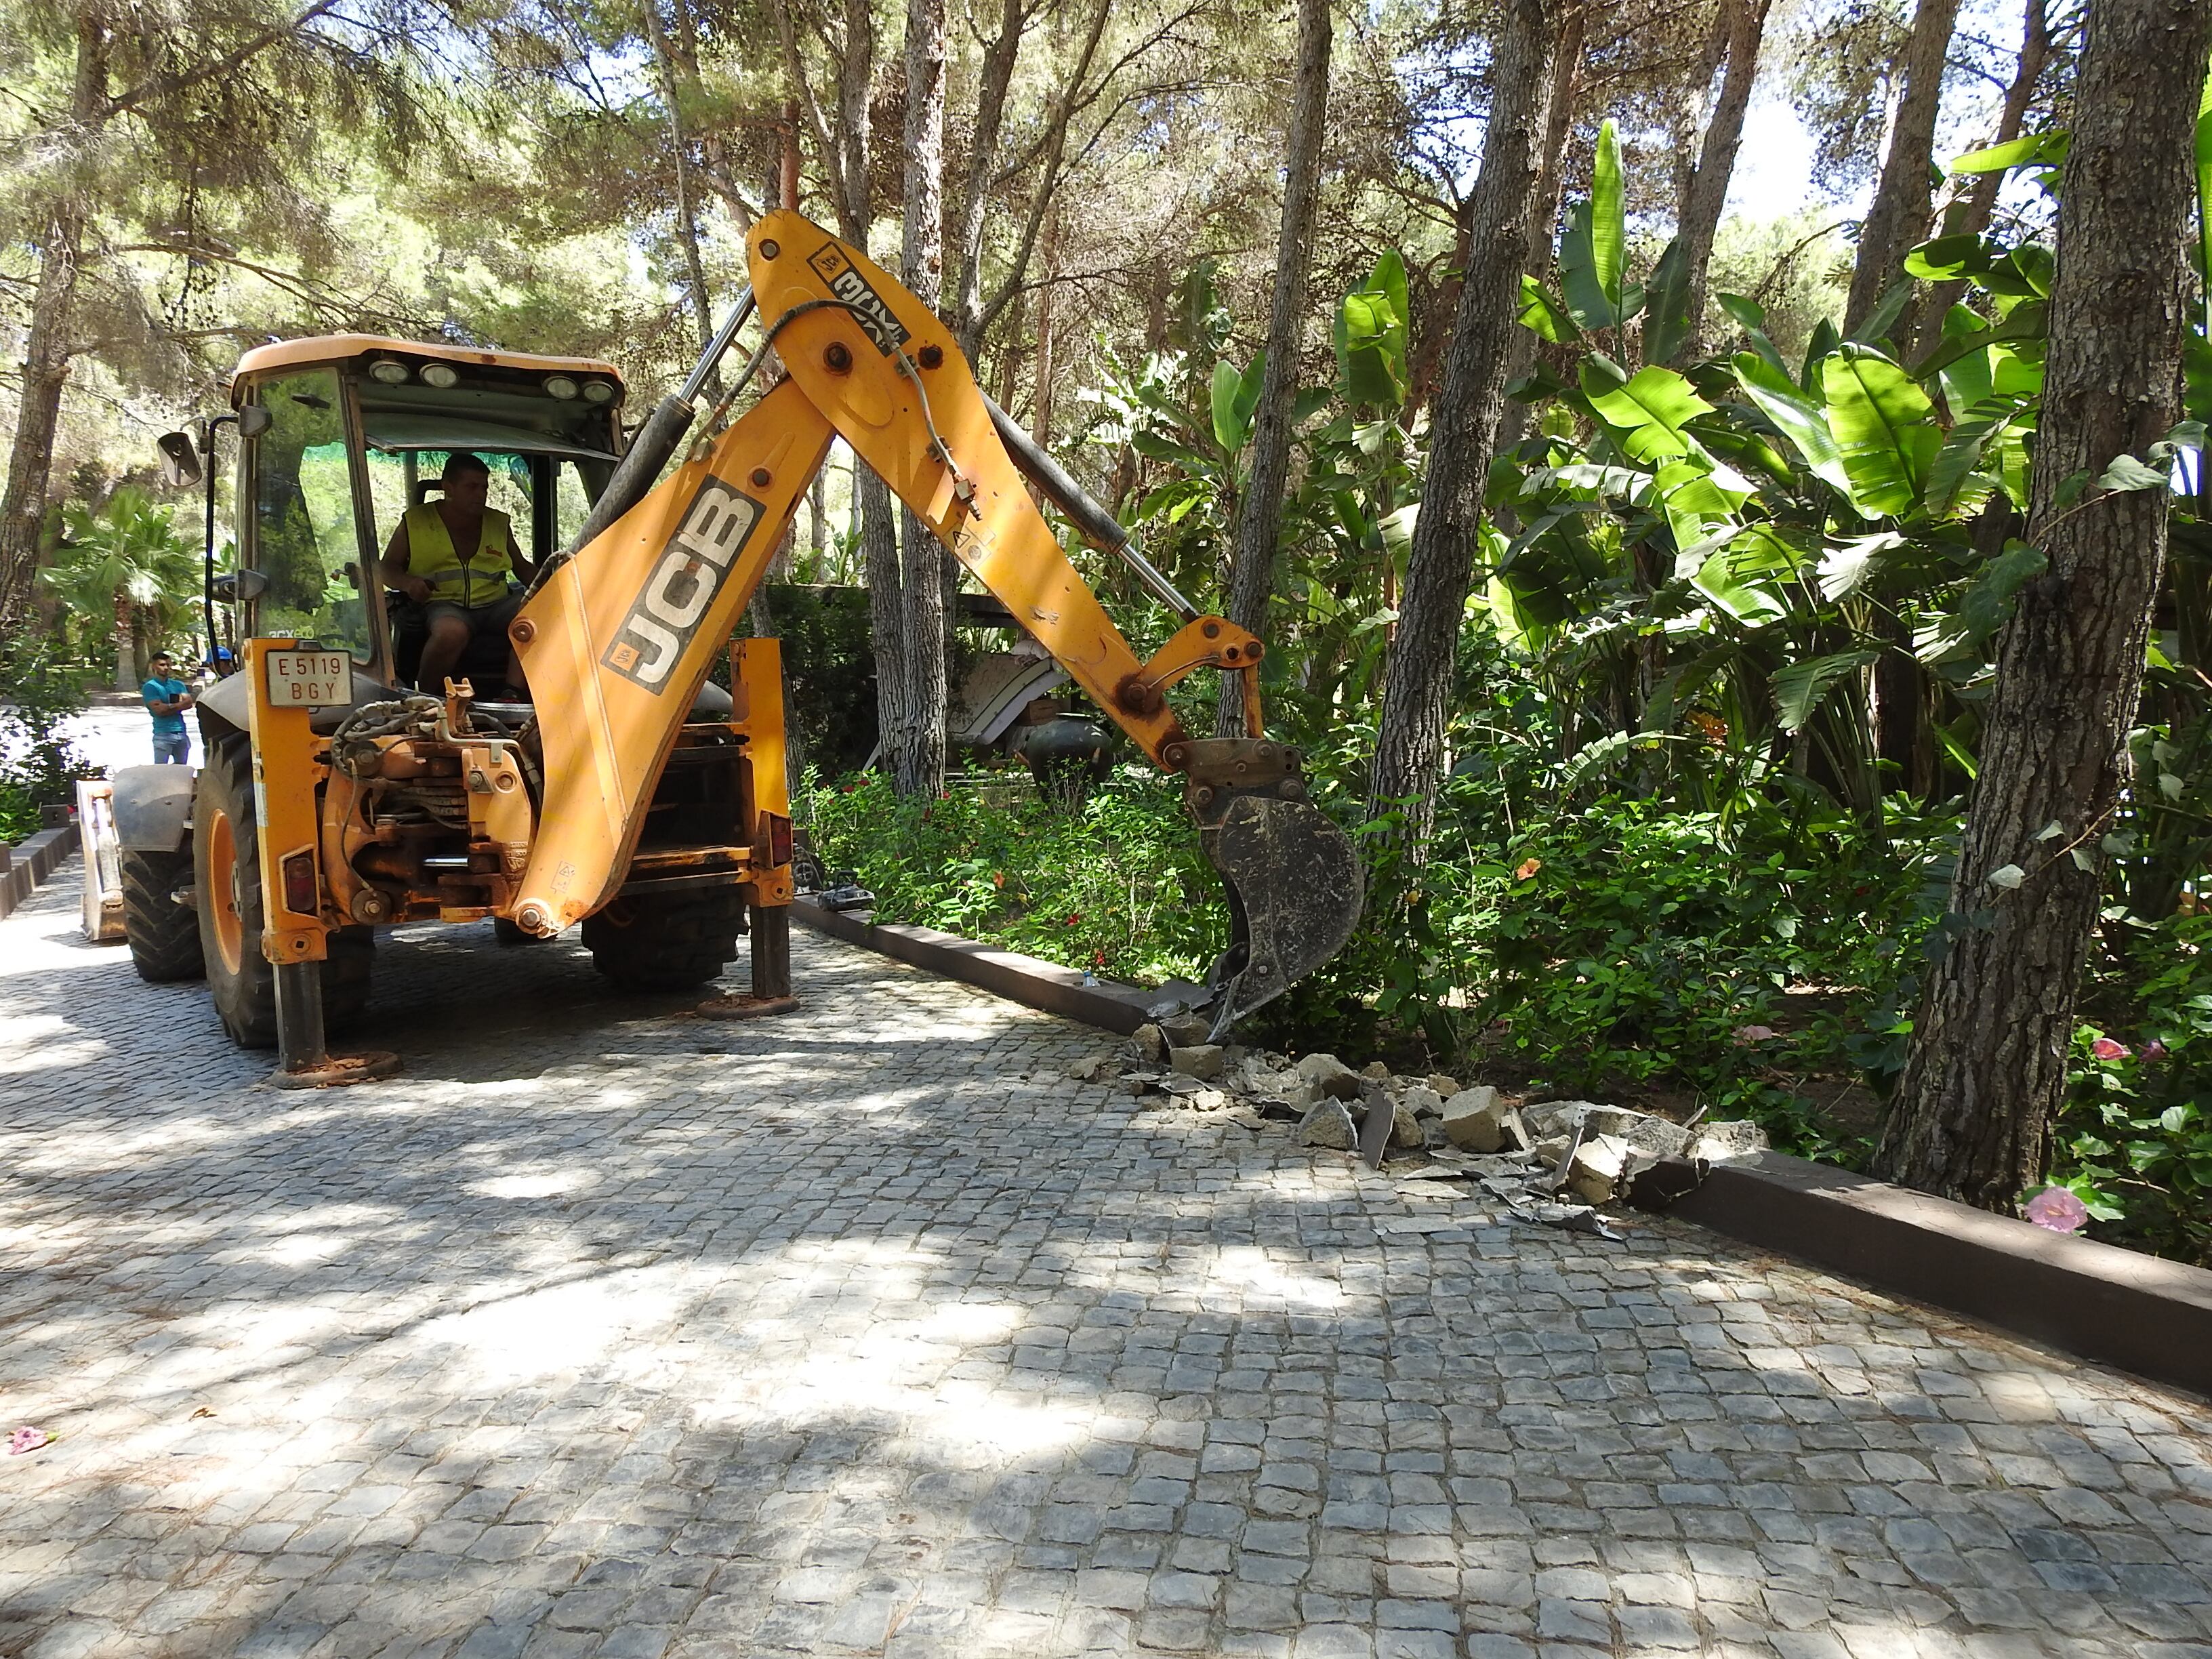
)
(736, 1007)
(338, 1071)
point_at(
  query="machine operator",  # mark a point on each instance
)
(462, 594)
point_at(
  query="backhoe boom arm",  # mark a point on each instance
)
(628, 628)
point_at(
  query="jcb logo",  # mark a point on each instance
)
(697, 560)
(881, 322)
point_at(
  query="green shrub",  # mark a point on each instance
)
(1117, 886)
(2134, 1141)
(38, 766)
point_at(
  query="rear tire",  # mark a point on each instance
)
(227, 874)
(666, 942)
(164, 936)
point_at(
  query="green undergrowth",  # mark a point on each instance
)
(1754, 964)
(1116, 886)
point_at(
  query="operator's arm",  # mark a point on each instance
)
(394, 566)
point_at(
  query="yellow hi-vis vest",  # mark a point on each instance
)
(473, 579)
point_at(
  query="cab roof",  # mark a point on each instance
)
(342, 348)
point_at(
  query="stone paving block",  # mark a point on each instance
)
(872, 1330)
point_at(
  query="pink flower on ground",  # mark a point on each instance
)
(1755, 1034)
(2105, 1048)
(2055, 1208)
(26, 1439)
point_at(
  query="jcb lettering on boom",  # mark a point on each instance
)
(683, 586)
(880, 321)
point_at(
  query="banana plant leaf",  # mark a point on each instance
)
(1235, 397)
(1885, 428)
(1546, 316)
(1651, 407)
(1750, 318)
(1800, 687)
(1593, 251)
(1796, 415)
(1745, 577)
(1370, 336)
(1666, 320)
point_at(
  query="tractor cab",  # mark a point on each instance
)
(340, 436)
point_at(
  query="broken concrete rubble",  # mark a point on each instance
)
(1331, 1076)
(1330, 1125)
(1185, 1030)
(1476, 1121)
(1151, 1044)
(1199, 1061)
(1406, 1132)
(1599, 1165)
(1732, 1138)
(1423, 1102)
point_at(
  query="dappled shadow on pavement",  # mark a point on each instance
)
(606, 1330)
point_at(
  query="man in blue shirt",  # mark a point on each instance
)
(167, 699)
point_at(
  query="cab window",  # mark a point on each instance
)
(303, 516)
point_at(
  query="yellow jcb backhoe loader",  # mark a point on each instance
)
(626, 793)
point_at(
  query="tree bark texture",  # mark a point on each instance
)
(38, 410)
(1260, 514)
(1988, 1062)
(1417, 686)
(1969, 212)
(1903, 199)
(918, 751)
(47, 348)
(1744, 24)
(1543, 253)
(998, 75)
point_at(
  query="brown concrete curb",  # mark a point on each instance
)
(1035, 984)
(24, 866)
(2096, 1300)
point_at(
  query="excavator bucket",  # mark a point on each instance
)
(1295, 887)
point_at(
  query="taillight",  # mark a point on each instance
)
(779, 840)
(299, 885)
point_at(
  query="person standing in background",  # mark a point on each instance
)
(167, 699)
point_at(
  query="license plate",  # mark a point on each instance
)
(310, 680)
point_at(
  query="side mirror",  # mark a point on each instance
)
(253, 420)
(240, 586)
(180, 462)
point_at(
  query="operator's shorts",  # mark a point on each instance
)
(481, 619)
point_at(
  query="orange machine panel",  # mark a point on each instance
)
(618, 640)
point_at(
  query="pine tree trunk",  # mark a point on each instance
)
(1417, 689)
(38, 411)
(1260, 516)
(1988, 1063)
(47, 348)
(991, 86)
(918, 757)
(687, 218)
(1969, 212)
(1903, 199)
(1559, 122)
(818, 528)
(1745, 22)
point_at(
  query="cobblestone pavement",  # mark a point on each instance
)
(604, 1331)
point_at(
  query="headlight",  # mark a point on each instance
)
(444, 376)
(388, 371)
(599, 392)
(560, 387)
